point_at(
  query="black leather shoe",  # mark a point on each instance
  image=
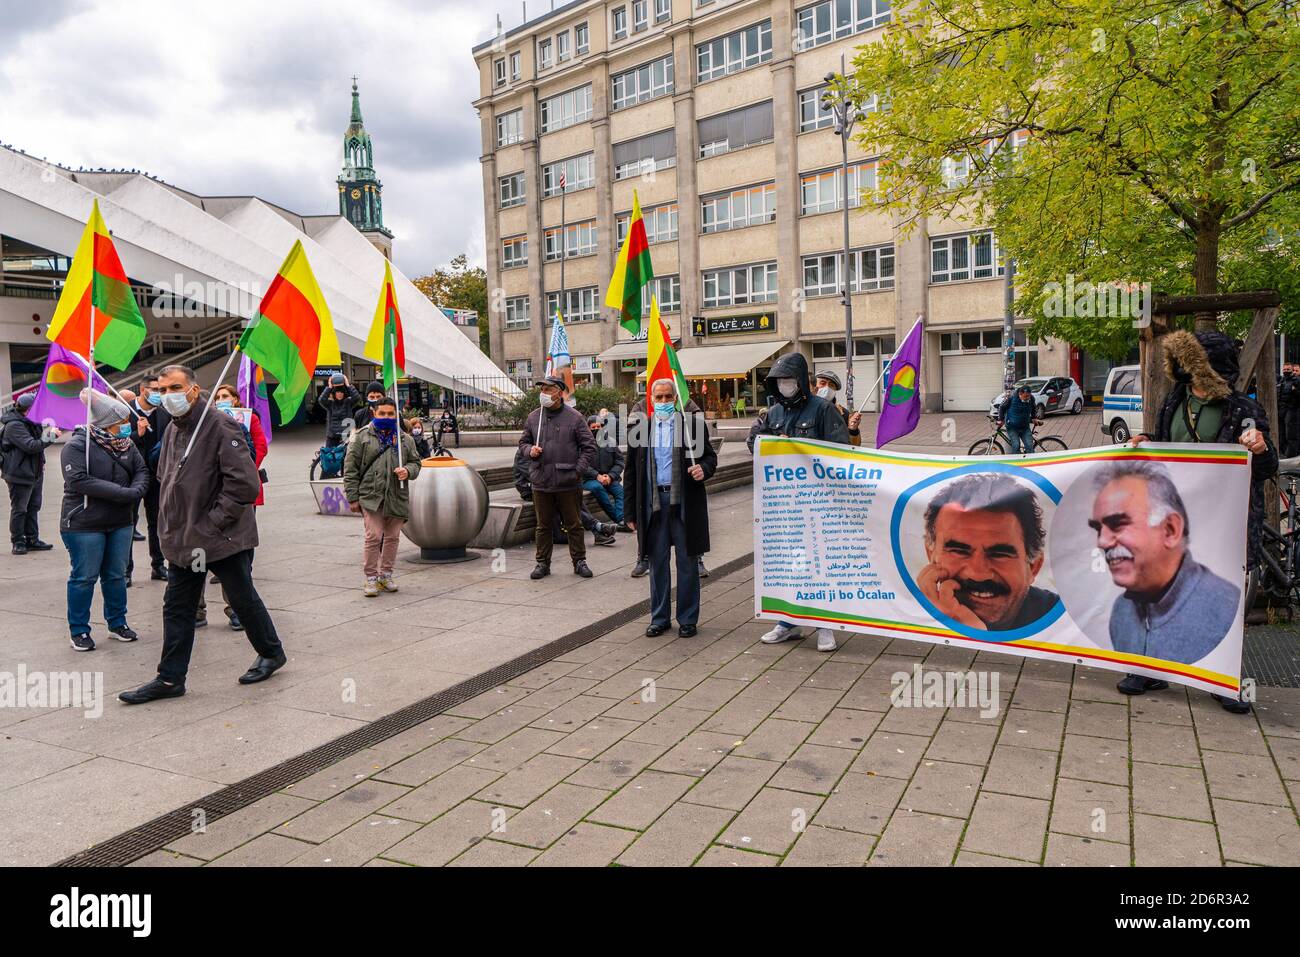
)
(262, 669)
(151, 692)
(1139, 684)
(540, 571)
(687, 631)
(654, 631)
(235, 623)
(20, 548)
(581, 569)
(1232, 705)
(38, 546)
(641, 570)
(136, 536)
(158, 575)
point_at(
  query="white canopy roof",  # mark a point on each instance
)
(726, 362)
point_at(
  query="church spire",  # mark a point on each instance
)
(356, 104)
(360, 200)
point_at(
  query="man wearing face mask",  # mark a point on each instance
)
(206, 521)
(828, 384)
(798, 414)
(339, 400)
(559, 443)
(147, 438)
(374, 395)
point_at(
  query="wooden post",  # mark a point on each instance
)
(1155, 383)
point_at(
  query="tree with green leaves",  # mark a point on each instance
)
(1113, 140)
(457, 286)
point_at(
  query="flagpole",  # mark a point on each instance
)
(884, 370)
(206, 405)
(90, 395)
(110, 385)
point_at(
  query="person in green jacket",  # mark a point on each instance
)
(376, 487)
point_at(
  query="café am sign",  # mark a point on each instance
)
(731, 325)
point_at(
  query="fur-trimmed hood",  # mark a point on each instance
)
(1210, 358)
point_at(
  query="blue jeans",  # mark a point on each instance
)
(98, 556)
(609, 497)
(1022, 439)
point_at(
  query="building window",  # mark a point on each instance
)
(646, 154)
(544, 54)
(740, 286)
(512, 190)
(582, 305)
(519, 368)
(663, 11)
(510, 128)
(823, 192)
(869, 270)
(618, 22)
(645, 82)
(514, 67)
(562, 46)
(955, 258)
(578, 240)
(566, 109)
(514, 252)
(660, 224)
(499, 72)
(836, 19)
(813, 113)
(747, 126)
(579, 172)
(738, 208)
(582, 38)
(668, 289)
(734, 52)
(517, 313)
(640, 15)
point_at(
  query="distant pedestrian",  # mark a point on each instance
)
(104, 478)
(1017, 414)
(416, 427)
(559, 442)
(448, 425)
(375, 393)
(604, 477)
(22, 460)
(149, 403)
(339, 400)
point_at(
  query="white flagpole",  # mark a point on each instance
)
(90, 395)
(204, 414)
(884, 370)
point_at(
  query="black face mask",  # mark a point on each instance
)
(1181, 374)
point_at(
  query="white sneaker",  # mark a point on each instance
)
(782, 632)
(825, 640)
(372, 587)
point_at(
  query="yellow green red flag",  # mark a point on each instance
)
(292, 332)
(661, 359)
(96, 314)
(632, 272)
(386, 343)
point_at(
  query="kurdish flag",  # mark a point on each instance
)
(292, 332)
(632, 271)
(661, 360)
(97, 284)
(386, 343)
(58, 398)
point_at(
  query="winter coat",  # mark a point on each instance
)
(639, 492)
(338, 411)
(803, 416)
(207, 503)
(608, 460)
(22, 449)
(522, 468)
(1210, 358)
(568, 448)
(368, 473)
(103, 498)
(1016, 412)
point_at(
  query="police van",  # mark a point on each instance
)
(1121, 403)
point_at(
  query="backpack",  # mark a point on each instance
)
(331, 461)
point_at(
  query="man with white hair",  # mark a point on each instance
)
(1172, 607)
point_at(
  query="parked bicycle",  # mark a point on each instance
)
(998, 442)
(1276, 572)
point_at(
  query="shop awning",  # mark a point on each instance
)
(726, 362)
(623, 350)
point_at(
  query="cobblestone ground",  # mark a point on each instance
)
(718, 750)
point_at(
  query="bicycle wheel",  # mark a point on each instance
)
(1049, 443)
(315, 464)
(988, 446)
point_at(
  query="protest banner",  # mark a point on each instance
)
(1120, 558)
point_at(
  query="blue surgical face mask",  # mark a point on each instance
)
(664, 410)
(225, 405)
(124, 430)
(154, 399)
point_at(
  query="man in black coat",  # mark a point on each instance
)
(604, 478)
(148, 410)
(22, 460)
(1205, 406)
(797, 414)
(669, 458)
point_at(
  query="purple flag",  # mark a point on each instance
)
(252, 392)
(901, 406)
(58, 401)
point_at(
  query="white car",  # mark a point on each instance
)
(1051, 394)
(1121, 404)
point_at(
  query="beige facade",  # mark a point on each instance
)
(770, 52)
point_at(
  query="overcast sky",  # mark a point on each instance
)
(252, 97)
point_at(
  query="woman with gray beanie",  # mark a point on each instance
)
(104, 476)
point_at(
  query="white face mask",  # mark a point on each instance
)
(547, 400)
(826, 392)
(788, 387)
(176, 403)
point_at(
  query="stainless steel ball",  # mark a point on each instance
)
(449, 505)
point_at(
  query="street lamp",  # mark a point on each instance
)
(838, 100)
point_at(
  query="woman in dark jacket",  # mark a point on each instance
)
(96, 518)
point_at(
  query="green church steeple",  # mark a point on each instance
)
(360, 192)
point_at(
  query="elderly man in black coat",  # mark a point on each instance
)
(669, 458)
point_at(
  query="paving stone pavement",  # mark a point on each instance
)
(721, 751)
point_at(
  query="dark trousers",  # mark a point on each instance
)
(24, 507)
(1290, 432)
(150, 502)
(666, 530)
(185, 588)
(567, 504)
(557, 530)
